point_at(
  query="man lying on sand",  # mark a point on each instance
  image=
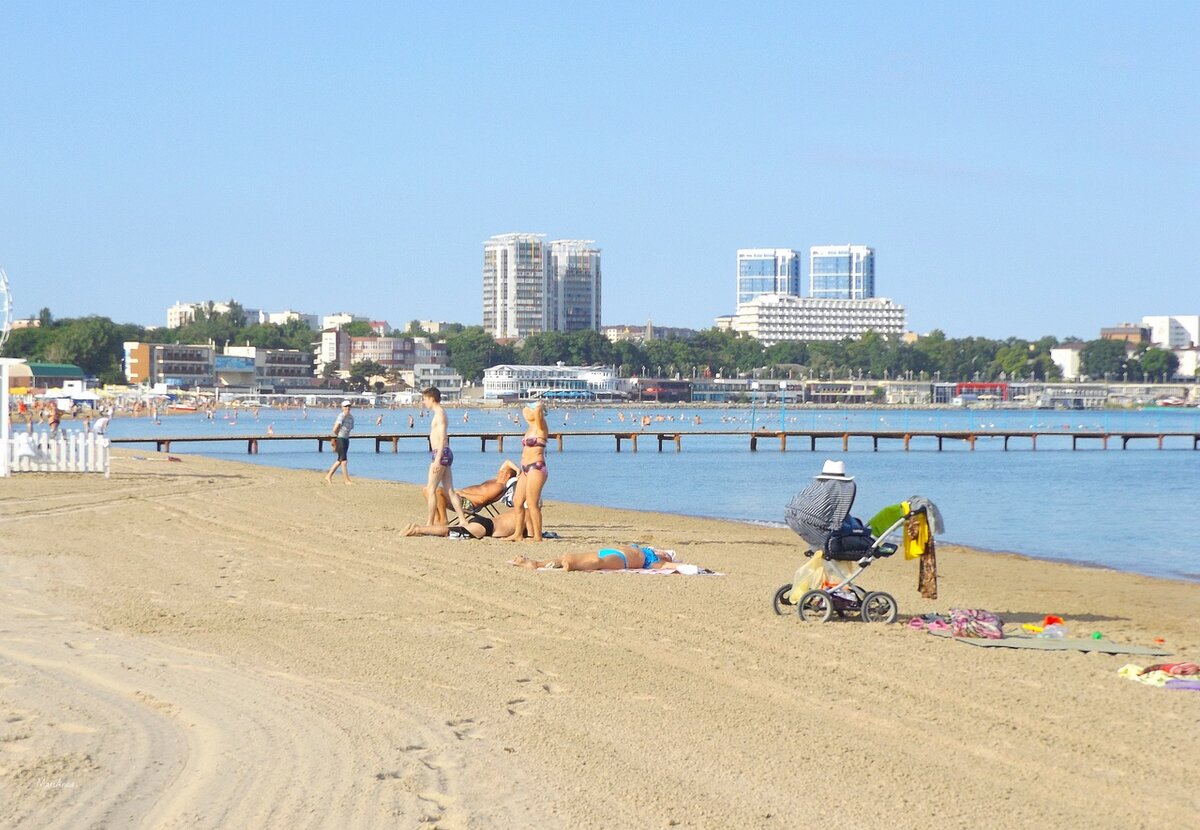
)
(477, 527)
(632, 557)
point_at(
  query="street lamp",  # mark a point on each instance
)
(783, 405)
(753, 402)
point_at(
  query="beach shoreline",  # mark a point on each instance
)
(219, 643)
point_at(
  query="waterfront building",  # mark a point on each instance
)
(514, 285)
(767, 271)
(1178, 331)
(773, 318)
(841, 272)
(172, 364)
(550, 382)
(573, 285)
(272, 368)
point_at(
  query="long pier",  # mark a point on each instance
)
(664, 438)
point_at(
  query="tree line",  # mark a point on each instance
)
(95, 344)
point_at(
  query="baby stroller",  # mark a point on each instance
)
(820, 514)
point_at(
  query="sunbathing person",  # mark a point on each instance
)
(477, 527)
(476, 495)
(615, 558)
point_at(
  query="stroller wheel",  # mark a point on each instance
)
(781, 601)
(815, 606)
(879, 607)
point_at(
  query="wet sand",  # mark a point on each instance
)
(214, 644)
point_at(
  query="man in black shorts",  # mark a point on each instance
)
(341, 443)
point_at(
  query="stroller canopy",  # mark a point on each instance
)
(819, 509)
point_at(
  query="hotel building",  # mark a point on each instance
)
(841, 272)
(773, 318)
(767, 271)
(530, 286)
(574, 285)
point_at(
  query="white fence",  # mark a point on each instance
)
(63, 452)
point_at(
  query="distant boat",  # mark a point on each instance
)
(182, 407)
(1170, 401)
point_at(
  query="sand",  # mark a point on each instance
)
(214, 644)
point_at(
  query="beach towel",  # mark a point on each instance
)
(1065, 644)
(684, 570)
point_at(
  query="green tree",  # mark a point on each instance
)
(1100, 358)
(472, 350)
(1158, 364)
(362, 372)
(359, 328)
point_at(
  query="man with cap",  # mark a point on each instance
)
(341, 442)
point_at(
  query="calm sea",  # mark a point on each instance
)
(1132, 510)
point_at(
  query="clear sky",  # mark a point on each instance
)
(1020, 168)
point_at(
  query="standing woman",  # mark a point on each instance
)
(528, 495)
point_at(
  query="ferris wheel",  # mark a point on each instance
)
(5, 309)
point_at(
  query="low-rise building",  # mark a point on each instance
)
(276, 368)
(424, 375)
(1067, 357)
(172, 364)
(550, 382)
(401, 353)
(1127, 332)
(341, 318)
(282, 318)
(774, 318)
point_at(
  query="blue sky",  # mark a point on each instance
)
(1020, 168)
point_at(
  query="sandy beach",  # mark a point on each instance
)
(213, 644)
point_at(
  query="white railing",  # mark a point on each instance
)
(63, 452)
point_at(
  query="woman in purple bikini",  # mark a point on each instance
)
(533, 475)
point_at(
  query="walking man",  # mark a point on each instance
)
(442, 459)
(341, 443)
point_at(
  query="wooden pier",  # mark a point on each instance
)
(663, 438)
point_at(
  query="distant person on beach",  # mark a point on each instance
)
(620, 557)
(475, 496)
(342, 428)
(533, 473)
(100, 425)
(441, 460)
(55, 418)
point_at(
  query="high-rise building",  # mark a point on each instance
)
(767, 271)
(514, 285)
(573, 285)
(841, 272)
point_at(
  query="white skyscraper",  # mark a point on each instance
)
(515, 273)
(573, 285)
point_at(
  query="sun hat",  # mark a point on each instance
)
(345, 403)
(835, 470)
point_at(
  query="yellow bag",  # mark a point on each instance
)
(809, 577)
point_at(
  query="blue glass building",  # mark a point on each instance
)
(767, 271)
(841, 272)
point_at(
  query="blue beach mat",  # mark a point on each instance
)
(1048, 644)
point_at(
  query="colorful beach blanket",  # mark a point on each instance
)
(1064, 644)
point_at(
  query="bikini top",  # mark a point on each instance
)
(534, 441)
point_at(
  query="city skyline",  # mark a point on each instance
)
(999, 157)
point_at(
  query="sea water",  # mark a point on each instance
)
(1133, 510)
